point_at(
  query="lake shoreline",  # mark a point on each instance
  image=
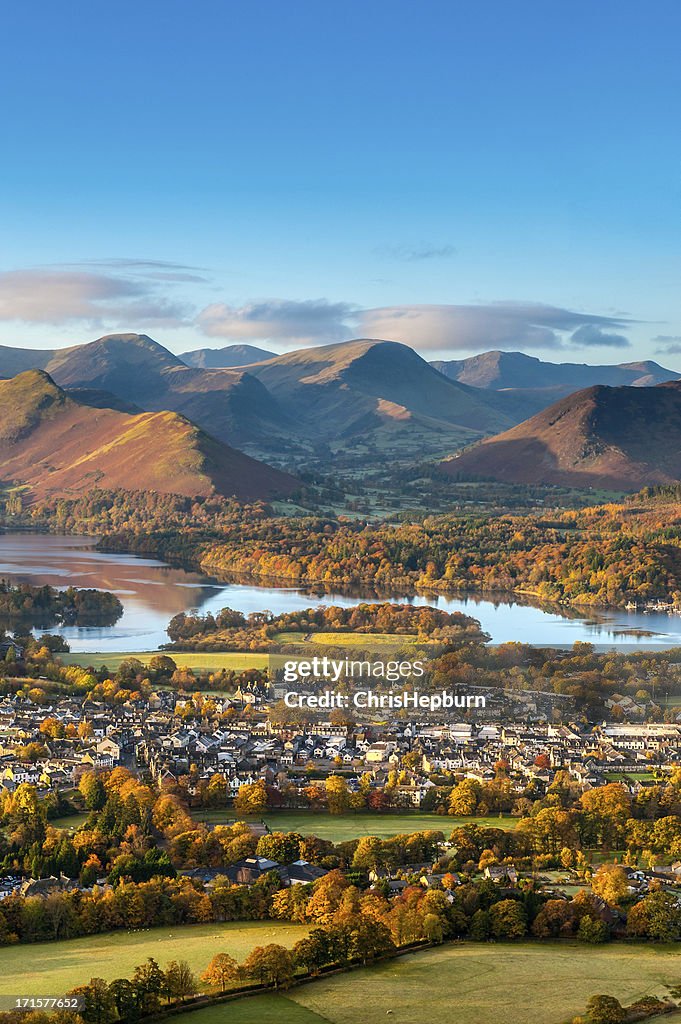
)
(153, 590)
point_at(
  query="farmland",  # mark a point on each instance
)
(472, 984)
(56, 967)
(198, 662)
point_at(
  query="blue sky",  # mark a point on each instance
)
(453, 175)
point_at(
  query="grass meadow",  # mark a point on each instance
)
(52, 968)
(488, 984)
(340, 827)
(201, 661)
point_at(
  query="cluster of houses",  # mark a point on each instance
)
(155, 735)
(248, 870)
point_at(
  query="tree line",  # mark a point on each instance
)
(260, 630)
(603, 555)
(24, 604)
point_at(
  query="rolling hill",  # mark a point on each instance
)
(58, 446)
(620, 438)
(16, 360)
(231, 355)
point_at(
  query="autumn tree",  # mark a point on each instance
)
(270, 965)
(605, 1010)
(283, 847)
(464, 798)
(368, 939)
(556, 919)
(98, 1005)
(180, 980)
(508, 920)
(222, 970)
(605, 813)
(251, 798)
(327, 893)
(314, 951)
(148, 980)
(337, 795)
(657, 916)
(610, 883)
(369, 854)
(91, 788)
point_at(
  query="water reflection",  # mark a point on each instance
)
(152, 592)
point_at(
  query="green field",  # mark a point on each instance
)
(629, 776)
(289, 637)
(339, 828)
(267, 1009)
(471, 984)
(368, 640)
(69, 821)
(52, 968)
(201, 662)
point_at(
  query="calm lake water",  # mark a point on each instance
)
(152, 592)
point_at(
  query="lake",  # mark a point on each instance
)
(152, 592)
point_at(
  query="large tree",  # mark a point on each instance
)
(270, 965)
(222, 970)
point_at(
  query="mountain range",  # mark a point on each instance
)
(375, 402)
(522, 385)
(376, 394)
(232, 406)
(59, 446)
(503, 370)
(619, 438)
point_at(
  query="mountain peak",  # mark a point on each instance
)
(620, 438)
(129, 343)
(28, 399)
(59, 446)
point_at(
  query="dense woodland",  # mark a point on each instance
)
(140, 840)
(604, 555)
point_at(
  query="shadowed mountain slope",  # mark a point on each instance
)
(618, 438)
(59, 446)
(350, 387)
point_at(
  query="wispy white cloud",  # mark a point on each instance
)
(516, 325)
(141, 294)
(311, 322)
(441, 328)
(132, 264)
(65, 296)
(155, 270)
